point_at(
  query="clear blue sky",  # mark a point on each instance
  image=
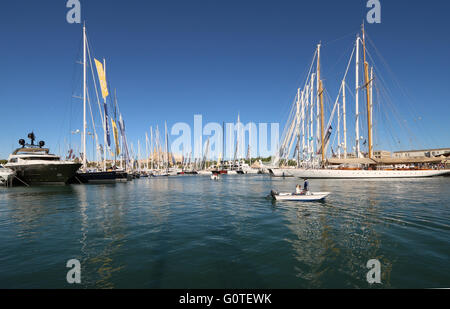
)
(170, 60)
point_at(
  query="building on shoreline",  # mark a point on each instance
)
(427, 153)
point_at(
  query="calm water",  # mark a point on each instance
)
(191, 232)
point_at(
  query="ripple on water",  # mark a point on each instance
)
(190, 232)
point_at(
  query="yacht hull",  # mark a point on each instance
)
(356, 174)
(45, 174)
(98, 177)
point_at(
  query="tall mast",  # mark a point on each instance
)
(311, 134)
(303, 121)
(344, 118)
(105, 152)
(371, 106)
(318, 98)
(223, 145)
(139, 156)
(357, 100)
(369, 109)
(339, 129)
(298, 127)
(115, 120)
(167, 147)
(151, 147)
(322, 120)
(83, 137)
(249, 144)
(320, 94)
(146, 151)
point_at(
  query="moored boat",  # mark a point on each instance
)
(34, 165)
(355, 174)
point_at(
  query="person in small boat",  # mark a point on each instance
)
(306, 187)
(298, 190)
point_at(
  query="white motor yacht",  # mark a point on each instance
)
(34, 165)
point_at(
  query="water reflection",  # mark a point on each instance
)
(102, 234)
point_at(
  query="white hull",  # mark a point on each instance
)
(204, 173)
(317, 196)
(251, 171)
(355, 174)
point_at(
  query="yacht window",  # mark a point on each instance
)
(13, 160)
(41, 159)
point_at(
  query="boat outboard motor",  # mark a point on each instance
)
(22, 143)
(273, 193)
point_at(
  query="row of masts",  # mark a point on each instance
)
(309, 106)
(158, 156)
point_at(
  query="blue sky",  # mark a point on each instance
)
(170, 60)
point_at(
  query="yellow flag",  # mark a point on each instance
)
(116, 136)
(102, 78)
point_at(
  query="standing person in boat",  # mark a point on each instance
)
(305, 186)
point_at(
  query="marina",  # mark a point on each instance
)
(191, 232)
(264, 188)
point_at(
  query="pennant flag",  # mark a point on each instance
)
(116, 136)
(327, 139)
(124, 139)
(108, 139)
(102, 78)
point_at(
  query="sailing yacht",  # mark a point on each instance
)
(98, 176)
(34, 165)
(311, 145)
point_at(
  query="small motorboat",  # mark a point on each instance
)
(308, 197)
(215, 177)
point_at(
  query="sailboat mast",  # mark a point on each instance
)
(223, 145)
(167, 148)
(139, 156)
(311, 134)
(369, 109)
(320, 94)
(304, 100)
(105, 152)
(115, 120)
(371, 106)
(344, 116)
(83, 137)
(146, 151)
(151, 147)
(357, 100)
(322, 120)
(318, 98)
(298, 128)
(339, 130)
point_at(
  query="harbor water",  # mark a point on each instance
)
(191, 232)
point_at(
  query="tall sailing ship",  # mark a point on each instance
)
(101, 173)
(306, 129)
